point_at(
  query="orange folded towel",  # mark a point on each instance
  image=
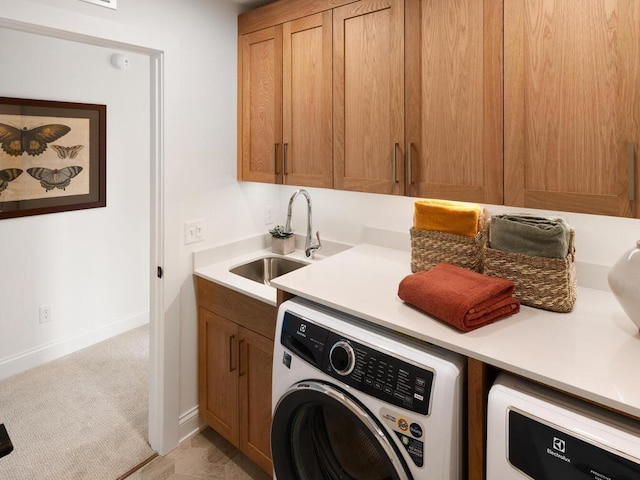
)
(447, 216)
(462, 298)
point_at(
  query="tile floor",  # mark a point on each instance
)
(205, 456)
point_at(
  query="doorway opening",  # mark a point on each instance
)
(162, 433)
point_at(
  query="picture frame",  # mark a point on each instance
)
(52, 156)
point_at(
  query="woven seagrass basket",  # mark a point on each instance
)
(547, 283)
(429, 248)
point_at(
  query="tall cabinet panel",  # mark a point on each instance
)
(454, 99)
(369, 96)
(261, 125)
(307, 96)
(572, 108)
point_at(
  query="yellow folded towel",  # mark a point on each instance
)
(447, 216)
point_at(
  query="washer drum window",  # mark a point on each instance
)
(319, 432)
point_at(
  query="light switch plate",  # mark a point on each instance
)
(193, 231)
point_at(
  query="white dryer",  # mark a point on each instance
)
(355, 401)
(536, 433)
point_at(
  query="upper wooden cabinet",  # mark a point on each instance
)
(307, 97)
(445, 89)
(454, 99)
(521, 102)
(572, 105)
(260, 124)
(368, 108)
(285, 100)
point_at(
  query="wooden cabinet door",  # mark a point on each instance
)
(261, 121)
(218, 373)
(572, 107)
(256, 358)
(454, 99)
(307, 109)
(368, 104)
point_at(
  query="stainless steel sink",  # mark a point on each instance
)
(264, 269)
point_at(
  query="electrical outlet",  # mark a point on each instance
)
(193, 231)
(45, 313)
(268, 215)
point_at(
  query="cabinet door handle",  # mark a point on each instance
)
(232, 353)
(409, 166)
(632, 171)
(275, 158)
(242, 370)
(285, 169)
(394, 163)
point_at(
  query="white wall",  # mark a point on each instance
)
(199, 41)
(199, 38)
(90, 265)
(599, 239)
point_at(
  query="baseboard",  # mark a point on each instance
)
(42, 354)
(189, 424)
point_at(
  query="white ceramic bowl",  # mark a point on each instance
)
(624, 281)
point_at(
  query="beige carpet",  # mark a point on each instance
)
(83, 416)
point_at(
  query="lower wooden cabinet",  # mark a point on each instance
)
(234, 368)
(218, 374)
(254, 370)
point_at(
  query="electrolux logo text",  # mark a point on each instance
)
(302, 330)
(558, 450)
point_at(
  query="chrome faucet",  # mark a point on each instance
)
(310, 245)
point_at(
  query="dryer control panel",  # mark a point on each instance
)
(388, 378)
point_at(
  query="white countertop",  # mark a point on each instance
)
(592, 352)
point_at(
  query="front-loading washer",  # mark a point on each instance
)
(537, 433)
(355, 401)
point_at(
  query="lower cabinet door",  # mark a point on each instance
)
(256, 357)
(218, 373)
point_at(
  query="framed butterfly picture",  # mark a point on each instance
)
(52, 156)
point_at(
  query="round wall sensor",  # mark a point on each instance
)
(119, 61)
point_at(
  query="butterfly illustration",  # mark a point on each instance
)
(8, 175)
(50, 179)
(32, 141)
(67, 152)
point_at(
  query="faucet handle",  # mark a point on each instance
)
(311, 245)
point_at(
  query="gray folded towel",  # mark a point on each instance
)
(530, 235)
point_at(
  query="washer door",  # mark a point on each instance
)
(319, 432)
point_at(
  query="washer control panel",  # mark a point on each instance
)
(360, 366)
